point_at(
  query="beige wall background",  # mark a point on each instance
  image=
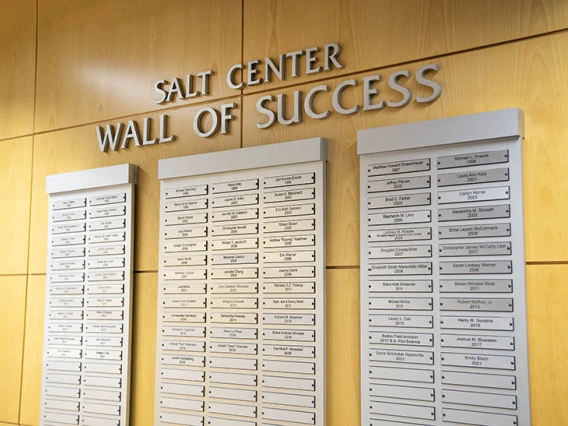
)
(67, 66)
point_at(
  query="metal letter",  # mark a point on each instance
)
(421, 79)
(271, 68)
(132, 132)
(164, 130)
(271, 115)
(337, 95)
(295, 63)
(158, 89)
(197, 122)
(393, 84)
(147, 127)
(369, 92)
(226, 117)
(176, 88)
(110, 137)
(297, 116)
(230, 77)
(308, 102)
(311, 59)
(331, 52)
(252, 71)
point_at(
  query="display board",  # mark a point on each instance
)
(241, 305)
(86, 361)
(443, 309)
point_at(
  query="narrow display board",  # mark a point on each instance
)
(241, 304)
(443, 309)
(86, 361)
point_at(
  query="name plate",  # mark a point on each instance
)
(106, 368)
(106, 301)
(473, 159)
(107, 212)
(474, 195)
(70, 277)
(289, 287)
(180, 419)
(185, 274)
(293, 210)
(290, 226)
(103, 395)
(477, 323)
(289, 180)
(400, 234)
(404, 410)
(65, 315)
(68, 302)
(389, 252)
(402, 392)
(185, 232)
(196, 361)
(107, 224)
(291, 272)
(411, 304)
(289, 195)
(409, 286)
(474, 213)
(101, 314)
(477, 176)
(191, 317)
(104, 341)
(110, 237)
(235, 244)
(294, 319)
(405, 357)
(233, 378)
(233, 333)
(183, 331)
(412, 321)
(288, 367)
(68, 252)
(186, 302)
(406, 166)
(179, 389)
(233, 288)
(407, 200)
(66, 228)
(224, 273)
(476, 231)
(476, 286)
(246, 228)
(295, 241)
(397, 184)
(106, 250)
(65, 340)
(234, 348)
(185, 219)
(244, 303)
(419, 216)
(179, 374)
(185, 260)
(476, 417)
(106, 276)
(226, 215)
(66, 328)
(238, 258)
(70, 419)
(479, 380)
(236, 200)
(293, 351)
(475, 249)
(69, 204)
(407, 339)
(232, 318)
(402, 374)
(423, 268)
(65, 353)
(67, 240)
(234, 186)
(115, 262)
(478, 342)
(110, 382)
(183, 247)
(484, 267)
(482, 305)
(185, 288)
(63, 366)
(289, 399)
(186, 191)
(478, 361)
(303, 417)
(183, 205)
(289, 383)
(289, 303)
(71, 215)
(107, 199)
(292, 335)
(54, 404)
(290, 256)
(105, 328)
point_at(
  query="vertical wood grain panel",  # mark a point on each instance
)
(378, 33)
(12, 311)
(33, 351)
(78, 149)
(17, 67)
(99, 59)
(15, 188)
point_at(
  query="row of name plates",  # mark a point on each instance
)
(86, 351)
(241, 298)
(443, 309)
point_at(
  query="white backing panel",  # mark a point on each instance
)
(259, 326)
(88, 310)
(472, 168)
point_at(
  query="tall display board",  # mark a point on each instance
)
(86, 361)
(443, 309)
(241, 305)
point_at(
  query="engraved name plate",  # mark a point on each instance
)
(295, 241)
(234, 348)
(69, 215)
(228, 215)
(402, 356)
(404, 321)
(185, 191)
(233, 288)
(407, 339)
(478, 342)
(482, 305)
(235, 244)
(185, 317)
(412, 304)
(400, 183)
(475, 231)
(185, 302)
(292, 210)
(406, 286)
(405, 166)
(289, 180)
(62, 265)
(290, 256)
(289, 195)
(289, 287)
(107, 224)
(234, 303)
(185, 260)
(474, 213)
(419, 216)
(474, 195)
(476, 286)
(227, 273)
(185, 274)
(477, 323)
(236, 200)
(107, 212)
(237, 258)
(183, 247)
(473, 159)
(106, 250)
(422, 268)
(185, 219)
(69, 204)
(292, 335)
(290, 272)
(114, 262)
(237, 185)
(406, 200)
(289, 303)
(190, 360)
(400, 234)
(107, 199)
(67, 240)
(183, 331)
(476, 249)
(289, 351)
(294, 319)
(107, 237)
(106, 276)
(478, 360)
(246, 228)
(183, 205)
(185, 232)
(232, 318)
(68, 252)
(233, 333)
(290, 226)
(66, 228)
(390, 252)
(471, 177)
(481, 267)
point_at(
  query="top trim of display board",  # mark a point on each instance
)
(302, 151)
(466, 128)
(93, 178)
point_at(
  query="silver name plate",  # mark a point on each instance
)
(291, 272)
(185, 219)
(473, 213)
(233, 303)
(471, 177)
(234, 348)
(289, 195)
(235, 244)
(191, 204)
(71, 215)
(477, 341)
(233, 333)
(185, 317)
(234, 186)
(237, 258)
(295, 241)
(247, 228)
(292, 335)
(185, 274)
(476, 286)
(69, 204)
(294, 319)
(67, 240)
(290, 226)
(66, 228)
(477, 323)
(483, 305)
(403, 321)
(233, 318)
(293, 351)
(475, 231)
(107, 199)
(407, 200)
(289, 180)
(107, 237)
(410, 304)
(481, 267)
(423, 268)
(391, 252)
(407, 339)
(398, 184)
(186, 191)
(478, 361)
(406, 166)
(233, 288)
(290, 256)
(102, 225)
(185, 232)
(406, 286)
(479, 418)
(223, 273)
(495, 381)
(229, 215)
(418, 216)
(292, 210)
(400, 234)
(236, 200)
(106, 250)
(107, 211)
(475, 249)
(289, 287)
(474, 195)
(402, 374)
(473, 159)
(406, 357)
(289, 303)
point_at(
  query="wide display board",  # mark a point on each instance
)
(86, 362)
(241, 301)
(443, 309)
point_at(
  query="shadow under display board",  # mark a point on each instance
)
(443, 302)
(88, 303)
(241, 303)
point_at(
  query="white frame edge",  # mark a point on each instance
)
(92, 178)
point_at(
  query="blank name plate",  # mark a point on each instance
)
(88, 309)
(443, 301)
(241, 301)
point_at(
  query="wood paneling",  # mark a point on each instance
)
(17, 67)
(78, 149)
(15, 187)
(527, 74)
(33, 351)
(100, 59)
(378, 33)
(547, 294)
(12, 312)
(342, 340)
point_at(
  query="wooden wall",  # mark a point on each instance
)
(67, 66)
